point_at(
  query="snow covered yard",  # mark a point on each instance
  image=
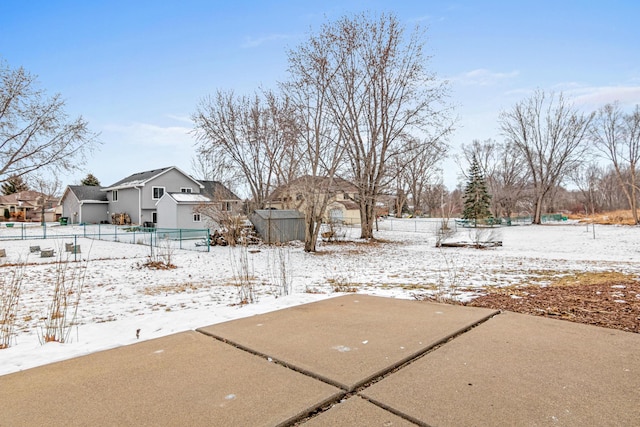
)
(120, 296)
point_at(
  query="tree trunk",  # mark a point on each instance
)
(310, 232)
(537, 217)
(366, 220)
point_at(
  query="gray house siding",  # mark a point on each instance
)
(84, 204)
(185, 217)
(71, 209)
(127, 202)
(278, 226)
(167, 213)
(94, 213)
(172, 181)
(177, 210)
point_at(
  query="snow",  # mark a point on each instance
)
(121, 296)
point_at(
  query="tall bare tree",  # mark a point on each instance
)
(550, 134)
(320, 148)
(617, 136)
(35, 133)
(381, 96)
(251, 132)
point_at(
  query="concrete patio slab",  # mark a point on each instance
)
(521, 370)
(187, 379)
(356, 412)
(349, 340)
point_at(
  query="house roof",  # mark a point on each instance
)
(87, 193)
(141, 178)
(334, 185)
(22, 198)
(218, 191)
(188, 198)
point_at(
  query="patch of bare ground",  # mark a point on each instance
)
(610, 300)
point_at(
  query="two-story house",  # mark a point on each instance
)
(138, 194)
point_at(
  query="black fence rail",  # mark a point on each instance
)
(178, 238)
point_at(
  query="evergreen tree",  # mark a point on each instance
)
(14, 184)
(476, 196)
(90, 180)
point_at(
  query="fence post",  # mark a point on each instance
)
(181, 238)
(208, 240)
(75, 247)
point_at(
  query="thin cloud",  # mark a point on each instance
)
(152, 135)
(483, 77)
(598, 96)
(251, 42)
(184, 119)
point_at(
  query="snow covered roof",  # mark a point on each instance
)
(189, 197)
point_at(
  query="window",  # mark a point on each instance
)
(114, 195)
(154, 217)
(225, 206)
(157, 192)
(196, 217)
(186, 190)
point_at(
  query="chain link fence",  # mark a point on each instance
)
(178, 238)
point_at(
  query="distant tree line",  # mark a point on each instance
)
(549, 145)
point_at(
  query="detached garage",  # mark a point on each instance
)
(278, 226)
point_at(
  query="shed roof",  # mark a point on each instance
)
(279, 214)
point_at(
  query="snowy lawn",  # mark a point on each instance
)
(123, 302)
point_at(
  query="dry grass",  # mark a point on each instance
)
(621, 217)
(566, 279)
(176, 288)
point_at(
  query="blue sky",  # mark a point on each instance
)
(136, 70)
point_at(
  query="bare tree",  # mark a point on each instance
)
(49, 189)
(417, 168)
(549, 133)
(381, 96)
(251, 132)
(617, 136)
(586, 178)
(211, 164)
(320, 149)
(35, 133)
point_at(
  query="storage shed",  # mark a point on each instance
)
(278, 226)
